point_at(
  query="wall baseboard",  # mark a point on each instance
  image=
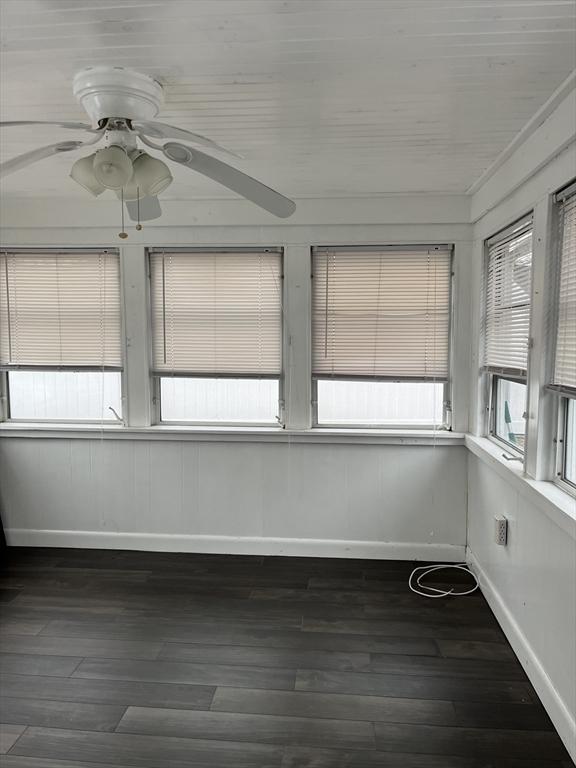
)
(559, 713)
(236, 545)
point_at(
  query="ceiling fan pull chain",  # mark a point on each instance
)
(138, 225)
(122, 234)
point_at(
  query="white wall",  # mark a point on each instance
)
(531, 583)
(231, 496)
(301, 494)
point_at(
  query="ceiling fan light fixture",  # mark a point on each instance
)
(82, 172)
(151, 176)
(122, 104)
(112, 167)
(130, 192)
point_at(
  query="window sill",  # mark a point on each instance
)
(556, 503)
(231, 434)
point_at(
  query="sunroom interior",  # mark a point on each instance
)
(209, 417)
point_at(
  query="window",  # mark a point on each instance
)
(566, 445)
(380, 335)
(224, 400)
(509, 398)
(409, 403)
(507, 329)
(60, 335)
(65, 395)
(569, 463)
(564, 369)
(217, 335)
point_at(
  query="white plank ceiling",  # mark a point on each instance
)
(323, 98)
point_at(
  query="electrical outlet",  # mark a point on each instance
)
(500, 530)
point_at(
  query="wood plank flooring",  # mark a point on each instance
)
(154, 660)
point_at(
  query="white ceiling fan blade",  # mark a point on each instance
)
(230, 177)
(163, 131)
(72, 126)
(149, 209)
(28, 158)
(21, 161)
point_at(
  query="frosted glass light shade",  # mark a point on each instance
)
(151, 175)
(112, 167)
(82, 172)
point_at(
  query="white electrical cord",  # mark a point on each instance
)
(427, 591)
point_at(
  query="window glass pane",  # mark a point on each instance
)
(380, 402)
(570, 463)
(510, 407)
(65, 395)
(219, 400)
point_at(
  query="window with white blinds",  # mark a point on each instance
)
(217, 313)
(60, 311)
(564, 375)
(381, 313)
(507, 309)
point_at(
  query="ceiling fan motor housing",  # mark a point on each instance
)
(107, 92)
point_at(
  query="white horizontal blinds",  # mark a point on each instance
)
(60, 310)
(507, 311)
(565, 352)
(217, 313)
(381, 313)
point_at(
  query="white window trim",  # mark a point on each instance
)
(227, 433)
(125, 347)
(489, 378)
(4, 402)
(154, 378)
(447, 405)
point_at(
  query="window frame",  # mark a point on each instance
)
(156, 384)
(492, 376)
(561, 445)
(447, 384)
(492, 413)
(107, 422)
(157, 402)
(5, 416)
(562, 395)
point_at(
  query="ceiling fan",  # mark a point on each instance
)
(122, 104)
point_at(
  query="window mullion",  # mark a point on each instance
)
(540, 405)
(137, 384)
(297, 323)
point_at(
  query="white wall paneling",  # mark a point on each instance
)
(530, 586)
(103, 215)
(316, 493)
(197, 495)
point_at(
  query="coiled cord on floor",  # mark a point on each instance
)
(428, 591)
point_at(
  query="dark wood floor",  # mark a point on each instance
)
(163, 661)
